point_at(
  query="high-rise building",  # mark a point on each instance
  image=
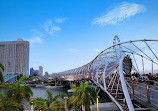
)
(33, 72)
(40, 71)
(14, 55)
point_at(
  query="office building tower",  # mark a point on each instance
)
(40, 71)
(14, 55)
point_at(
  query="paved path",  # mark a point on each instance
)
(109, 106)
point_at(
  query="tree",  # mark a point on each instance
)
(53, 102)
(39, 104)
(50, 103)
(1, 73)
(18, 92)
(7, 104)
(83, 95)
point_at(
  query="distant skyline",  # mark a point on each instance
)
(66, 34)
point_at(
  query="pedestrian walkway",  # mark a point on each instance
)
(109, 106)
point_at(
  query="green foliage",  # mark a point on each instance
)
(50, 103)
(83, 95)
(57, 105)
(1, 66)
(23, 78)
(1, 74)
(7, 104)
(18, 92)
(19, 76)
(39, 104)
(49, 95)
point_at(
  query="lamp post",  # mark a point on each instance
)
(97, 103)
(65, 103)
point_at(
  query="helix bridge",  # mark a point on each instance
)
(111, 71)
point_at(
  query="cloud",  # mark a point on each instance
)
(35, 37)
(71, 50)
(50, 28)
(60, 20)
(119, 13)
(98, 50)
(35, 40)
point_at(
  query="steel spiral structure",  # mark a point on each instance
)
(108, 69)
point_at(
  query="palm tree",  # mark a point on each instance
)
(39, 103)
(18, 92)
(56, 106)
(7, 104)
(52, 103)
(83, 95)
(1, 74)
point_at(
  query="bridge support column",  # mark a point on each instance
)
(124, 87)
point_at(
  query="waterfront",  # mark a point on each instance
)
(40, 92)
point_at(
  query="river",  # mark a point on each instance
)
(40, 92)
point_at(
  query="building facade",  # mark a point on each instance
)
(33, 72)
(40, 71)
(14, 55)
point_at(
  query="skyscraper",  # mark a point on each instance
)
(40, 71)
(14, 55)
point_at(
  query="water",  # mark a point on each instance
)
(40, 92)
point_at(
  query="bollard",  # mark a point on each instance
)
(31, 107)
(148, 95)
(97, 104)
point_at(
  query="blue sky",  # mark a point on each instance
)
(65, 34)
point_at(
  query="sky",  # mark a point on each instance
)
(66, 34)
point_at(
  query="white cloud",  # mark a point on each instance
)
(35, 37)
(71, 50)
(60, 20)
(50, 28)
(119, 13)
(35, 40)
(98, 50)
